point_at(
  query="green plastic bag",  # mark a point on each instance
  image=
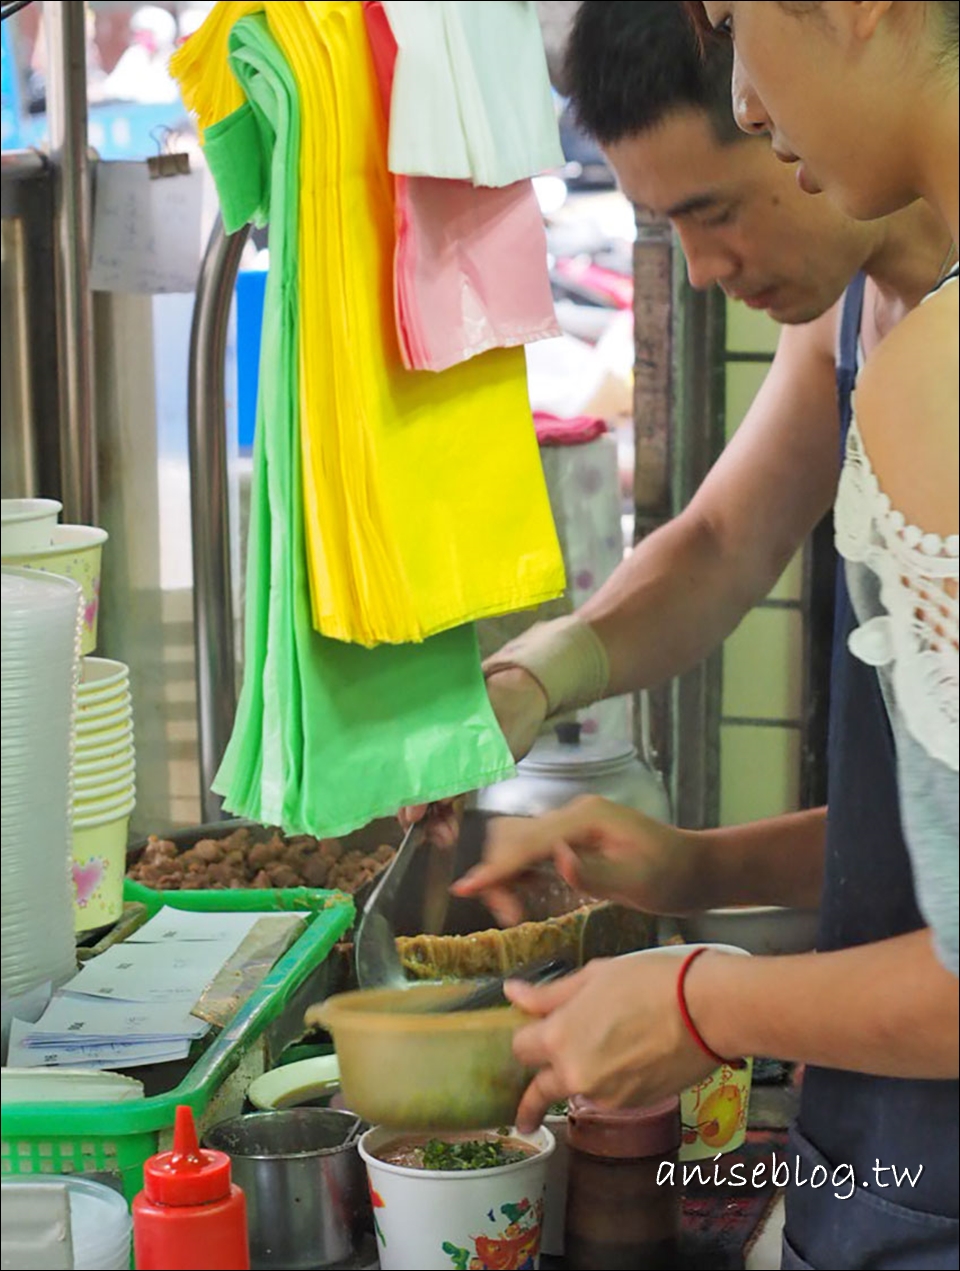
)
(327, 735)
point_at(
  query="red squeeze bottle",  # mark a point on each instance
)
(189, 1216)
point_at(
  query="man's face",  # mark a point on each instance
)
(742, 220)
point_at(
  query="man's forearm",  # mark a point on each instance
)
(671, 603)
(778, 861)
(888, 1008)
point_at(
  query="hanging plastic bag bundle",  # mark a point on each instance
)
(454, 296)
(425, 500)
(328, 735)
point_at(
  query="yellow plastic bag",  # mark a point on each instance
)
(327, 735)
(200, 66)
(425, 501)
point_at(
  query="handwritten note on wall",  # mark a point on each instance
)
(146, 231)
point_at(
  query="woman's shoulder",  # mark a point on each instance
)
(907, 403)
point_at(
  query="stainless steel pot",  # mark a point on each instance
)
(760, 929)
(566, 765)
(306, 1189)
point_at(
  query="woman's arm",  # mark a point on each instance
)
(614, 853)
(888, 1008)
(614, 1031)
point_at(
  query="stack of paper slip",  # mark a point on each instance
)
(132, 1005)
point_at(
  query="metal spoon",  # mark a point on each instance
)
(375, 947)
(489, 992)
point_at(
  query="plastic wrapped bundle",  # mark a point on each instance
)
(38, 673)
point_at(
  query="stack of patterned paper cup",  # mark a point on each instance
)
(104, 790)
(38, 669)
(30, 538)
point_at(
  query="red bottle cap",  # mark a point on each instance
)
(189, 1175)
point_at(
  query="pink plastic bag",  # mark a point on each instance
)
(470, 269)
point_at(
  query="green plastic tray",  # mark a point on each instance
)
(116, 1138)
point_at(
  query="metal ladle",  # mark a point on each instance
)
(375, 947)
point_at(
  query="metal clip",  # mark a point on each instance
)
(167, 163)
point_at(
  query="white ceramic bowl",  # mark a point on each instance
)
(426, 1218)
(27, 524)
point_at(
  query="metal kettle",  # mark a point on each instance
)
(566, 765)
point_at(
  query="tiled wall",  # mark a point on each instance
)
(762, 659)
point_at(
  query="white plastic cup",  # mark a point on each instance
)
(432, 1220)
(27, 524)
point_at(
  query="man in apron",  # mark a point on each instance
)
(663, 118)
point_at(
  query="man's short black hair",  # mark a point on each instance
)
(631, 63)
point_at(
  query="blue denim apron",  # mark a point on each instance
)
(847, 1118)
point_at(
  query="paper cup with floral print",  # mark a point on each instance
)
(74, 552)
(457, 1220)
(97, 866)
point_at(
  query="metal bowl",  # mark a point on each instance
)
(760, 929)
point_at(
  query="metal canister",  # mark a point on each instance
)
(305, 1186)
(566, 765)
(622, 1202)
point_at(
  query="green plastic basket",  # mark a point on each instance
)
(116, 1138)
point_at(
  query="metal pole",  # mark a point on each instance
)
(67, 115)
(209, 506)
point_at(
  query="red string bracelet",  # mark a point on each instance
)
(690, 1026)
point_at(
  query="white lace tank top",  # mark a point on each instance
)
(903, 585)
